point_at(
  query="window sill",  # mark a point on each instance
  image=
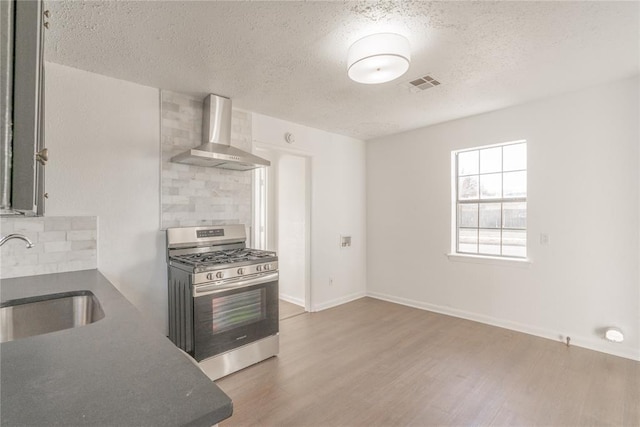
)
(477, 259)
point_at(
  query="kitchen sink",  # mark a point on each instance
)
(43, 314)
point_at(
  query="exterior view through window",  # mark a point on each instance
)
(491, 200)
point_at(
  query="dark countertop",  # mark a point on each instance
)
(117, 371)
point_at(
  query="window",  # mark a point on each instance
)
(490, 194)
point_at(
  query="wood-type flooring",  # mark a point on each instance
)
(371, 362)
(288, 310)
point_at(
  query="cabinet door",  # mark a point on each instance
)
(27, 174)
(7, 15)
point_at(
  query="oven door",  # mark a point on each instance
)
(231, 315)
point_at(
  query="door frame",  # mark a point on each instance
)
(279, 149)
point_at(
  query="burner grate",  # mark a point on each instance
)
(223, 257)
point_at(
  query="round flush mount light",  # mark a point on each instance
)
(378, 58)
(614, 334)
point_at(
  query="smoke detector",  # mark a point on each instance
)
(289, 138)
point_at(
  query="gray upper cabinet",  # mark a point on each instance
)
(23, 153)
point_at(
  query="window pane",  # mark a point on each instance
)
(491, 205)
(489, 242)
(514, 157)
(515, 184)
(468, 187)
(514, 215)
(491, 160)
(468, 163)
(468, 241)
(491, 186)
(468, 215)
(514, 243)
(490, 215)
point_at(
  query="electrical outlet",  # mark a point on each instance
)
(544, 239)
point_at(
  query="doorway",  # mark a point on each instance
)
(282, 216)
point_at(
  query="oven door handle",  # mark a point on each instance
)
(202, 290)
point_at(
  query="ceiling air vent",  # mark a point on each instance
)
(420, 84)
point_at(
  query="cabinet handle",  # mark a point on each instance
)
(42, 156)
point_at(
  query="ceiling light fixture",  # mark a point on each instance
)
(378, 58)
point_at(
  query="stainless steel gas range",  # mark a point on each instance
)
(223, 298)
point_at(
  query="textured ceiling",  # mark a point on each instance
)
(288, 59)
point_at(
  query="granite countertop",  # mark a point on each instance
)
(117, 371)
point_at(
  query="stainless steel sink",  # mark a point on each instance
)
(27, 317)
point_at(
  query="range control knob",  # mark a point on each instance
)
(209, 276)
(241, 271)
(267, 267)
(259, 268)
(219, 275)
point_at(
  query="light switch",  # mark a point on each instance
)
(544, 239)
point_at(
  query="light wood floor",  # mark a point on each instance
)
(371, 362)
(288, 310)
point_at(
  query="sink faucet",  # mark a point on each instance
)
(5, 239)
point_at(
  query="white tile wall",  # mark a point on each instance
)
(60, 244)
(196, 195)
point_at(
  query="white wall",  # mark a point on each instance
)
(104, 143)
(292, 227)
(583, 190)
(338, 203)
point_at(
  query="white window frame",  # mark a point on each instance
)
(455, 255)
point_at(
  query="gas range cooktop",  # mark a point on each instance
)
(226, 264)
(226, 256)
(218, 249)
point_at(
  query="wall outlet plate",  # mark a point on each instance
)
(345, 241)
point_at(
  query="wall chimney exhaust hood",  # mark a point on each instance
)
(216, 151)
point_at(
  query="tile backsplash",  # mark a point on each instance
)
(61, 244)
(196, 195)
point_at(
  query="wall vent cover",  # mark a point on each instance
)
(421, 83)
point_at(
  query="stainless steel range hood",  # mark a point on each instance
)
(216, 151)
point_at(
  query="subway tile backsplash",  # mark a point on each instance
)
(196, 195)
(60, 244)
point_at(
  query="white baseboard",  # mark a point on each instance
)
(292, 300)
(579, 341)
(338, 301)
